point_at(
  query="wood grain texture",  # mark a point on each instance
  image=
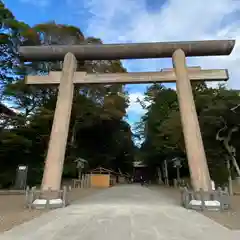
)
(191, 130)
(134, 77)
(57, 144)
(126, 51)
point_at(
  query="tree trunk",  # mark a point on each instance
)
(225, 141)
(234, 161)
(166, 172)
(230, 186)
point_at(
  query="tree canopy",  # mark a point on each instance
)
(217, 110)
(97, 132)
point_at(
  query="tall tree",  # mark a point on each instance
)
(97, 132)
(162, 131)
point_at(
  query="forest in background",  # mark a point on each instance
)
(218, 111)
(99, 131)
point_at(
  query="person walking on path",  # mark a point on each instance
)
(142, 180)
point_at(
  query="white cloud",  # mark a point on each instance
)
(175, 20)
(135, 106)
(37, 3)
(130, 21)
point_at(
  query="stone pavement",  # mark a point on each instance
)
(122, 212)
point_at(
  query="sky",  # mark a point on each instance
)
(126, 21)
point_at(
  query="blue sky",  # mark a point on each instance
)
(119, 21)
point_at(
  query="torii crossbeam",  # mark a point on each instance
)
(180, 74)
(130, 78)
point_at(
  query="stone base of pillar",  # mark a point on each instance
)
(215, 200)
(39, 199)
(47, 203)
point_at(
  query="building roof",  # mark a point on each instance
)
(101, 170)
(139, 164)
(6, 110)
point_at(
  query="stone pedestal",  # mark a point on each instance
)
(47, 204)
(39, 199)
(217, 200)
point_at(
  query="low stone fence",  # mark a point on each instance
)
(46, 199)
(84, 182)
(12, 192)
(218, 200)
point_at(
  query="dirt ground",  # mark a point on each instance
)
(12, 211)
(229, 219)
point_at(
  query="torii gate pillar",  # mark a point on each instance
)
(192, 135)
(58, 139)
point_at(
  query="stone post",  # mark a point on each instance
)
(57, 144)
(192, 135)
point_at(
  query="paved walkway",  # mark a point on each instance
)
(122, 212)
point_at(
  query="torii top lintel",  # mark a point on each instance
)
(126, 51)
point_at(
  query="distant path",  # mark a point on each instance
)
(122, 212)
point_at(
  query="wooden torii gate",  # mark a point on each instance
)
(179, 74)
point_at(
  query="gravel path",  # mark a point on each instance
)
(122, 212)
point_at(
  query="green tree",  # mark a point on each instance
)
(97, 130)
(163, 132)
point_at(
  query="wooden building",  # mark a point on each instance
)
(102, 177)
